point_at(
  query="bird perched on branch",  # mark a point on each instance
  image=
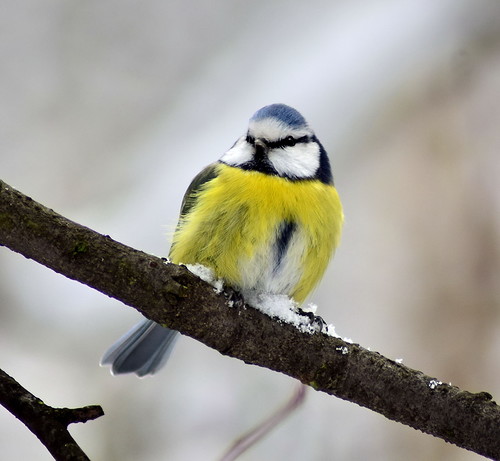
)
(266, 218)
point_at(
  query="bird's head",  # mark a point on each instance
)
(280, 142)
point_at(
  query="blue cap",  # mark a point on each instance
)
(285, 114)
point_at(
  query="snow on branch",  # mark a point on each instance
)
(175, 297)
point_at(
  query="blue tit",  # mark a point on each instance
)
(265, 218)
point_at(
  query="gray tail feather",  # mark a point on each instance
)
(143, 350)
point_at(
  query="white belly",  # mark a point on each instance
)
(274, 269)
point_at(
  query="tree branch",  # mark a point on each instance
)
(49, 424)
(174, 297)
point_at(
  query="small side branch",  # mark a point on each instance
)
(49, 424)
(174, 297)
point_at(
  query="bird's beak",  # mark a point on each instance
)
(261, 148)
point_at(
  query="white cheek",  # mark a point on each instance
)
(301, 160)
(240, 153)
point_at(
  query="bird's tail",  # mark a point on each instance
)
(143, 350)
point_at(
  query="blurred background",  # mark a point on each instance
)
(109, 108)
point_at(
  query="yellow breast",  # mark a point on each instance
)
(238, 219)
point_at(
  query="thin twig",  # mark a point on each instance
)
(172, 296)
(250, 438)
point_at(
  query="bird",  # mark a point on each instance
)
(265, 218)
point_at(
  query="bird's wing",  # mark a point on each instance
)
(207, 174)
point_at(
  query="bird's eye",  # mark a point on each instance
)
(289, 141)
(250, 139)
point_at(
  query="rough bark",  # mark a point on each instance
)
(172, 296)
(49, 424)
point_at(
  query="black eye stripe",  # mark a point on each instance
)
(287, 142)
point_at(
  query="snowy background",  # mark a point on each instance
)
(109, 108)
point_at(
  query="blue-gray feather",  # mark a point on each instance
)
(143, 350)
(283, 113)
(146, 348)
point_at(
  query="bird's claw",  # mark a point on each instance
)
(315, 320)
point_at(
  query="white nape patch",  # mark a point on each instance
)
(240, 153)
(273, 129)
(206, 274)
(300, 161)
